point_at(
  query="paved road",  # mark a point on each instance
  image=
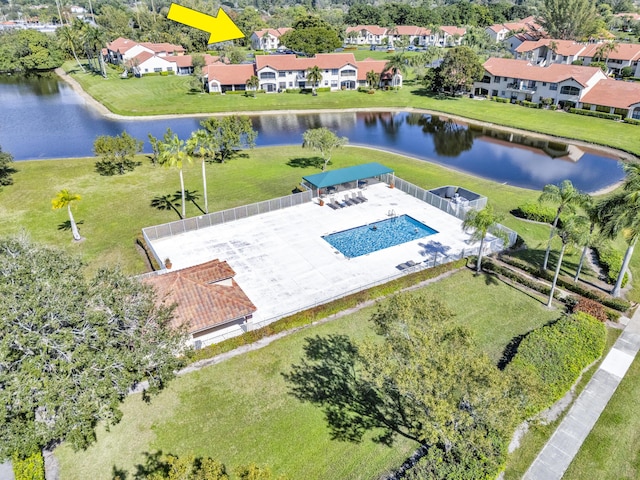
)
(556, 456)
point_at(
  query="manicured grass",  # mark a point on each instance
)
(612, 449)
(238, 411)
(170, 95)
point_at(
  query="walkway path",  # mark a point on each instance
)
(558, 453)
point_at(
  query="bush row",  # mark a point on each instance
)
(493, 267)
(632, 121)
(307, 317)
(592, 113)
(527, 104)
(568, 284)
(611, 262)
(29, 468)
(537, 212)
(554, 356)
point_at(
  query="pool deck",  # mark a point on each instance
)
(283, 264)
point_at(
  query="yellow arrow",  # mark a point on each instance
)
(221, 27)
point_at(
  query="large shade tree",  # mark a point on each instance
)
(459, 69)
(323, 140)
(421, 379)
(72, 346)
(230, 134)
(64, 198)
(569, 19)
(6, 168)
(567, 198)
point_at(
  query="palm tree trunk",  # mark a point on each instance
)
(184, 204)
(625, 264)
(73, 50)
(479, 262)
(204, 187)
(584, 254)
(555, 277)
(74, 227)
(551, 234)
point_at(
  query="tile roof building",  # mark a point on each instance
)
(418, 36)
(566, 85)
(277, 73)
(207, 298)
(267, 38)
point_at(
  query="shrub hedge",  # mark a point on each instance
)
(501, 100)
(307, 317)
(611, 262)
(536, 211)
(29, 468)
(632, 121)
(592, 113)
(554, 355)
(527, 104)
(618, 304)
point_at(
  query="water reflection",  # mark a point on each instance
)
(43, 118)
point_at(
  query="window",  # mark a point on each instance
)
(169, 69)
(636, 113)
(334, 71)
(157, 69)
(282, 74)
(291, 84)
(569, 90)
(497, 79)
(267, 75)
(349, 73)
(282, 85)
(214, 88)
(553, 86)
(544, 84)
(326, 82)
(334, 83)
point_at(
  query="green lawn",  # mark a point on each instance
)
(238, 411)
(612, 449)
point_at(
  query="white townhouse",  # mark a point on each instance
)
(123, 49)
(498, 32)
(450, 36)
(267, 38)
(624, 55)
(366, 35)
(613, 96)
(280, 72)
(528, 28)
(418, 36)
(521, 80)
(277, 73)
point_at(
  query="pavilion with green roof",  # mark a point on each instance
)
(345, 178)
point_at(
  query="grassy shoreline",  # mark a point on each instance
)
(161, 96)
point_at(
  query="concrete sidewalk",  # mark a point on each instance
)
(556, 456)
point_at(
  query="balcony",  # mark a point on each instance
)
(521, 87)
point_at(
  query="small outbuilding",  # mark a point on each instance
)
(347, 178)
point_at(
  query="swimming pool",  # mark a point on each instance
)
(378, 236)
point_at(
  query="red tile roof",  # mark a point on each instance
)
(368, 64)
(206, 295)
(498, 27)
(229, 74)
(182, 61)
(613, 93)
(290, 62)
(121, 45)
(372, 29)
(163, 47)
(409, 30)
(452, 30)
(275, 32)
(624, 51)
(563, 47)
(554, 73)
(144, 56)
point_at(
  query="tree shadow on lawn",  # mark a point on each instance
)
(423, 92)
(511, 349)
(306, 162)
(66, 225)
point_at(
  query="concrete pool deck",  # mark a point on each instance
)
(283, 264)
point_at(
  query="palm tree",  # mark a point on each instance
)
(593, 236)
(568, 198)
(64, 198)
(173, 154)
(618, 214)
(68, 38)
(479, 223)
(395, 64)
(574, 231)
(93, 40)
(202, 143)
(253, 83)
(373, 79)
(314, 75)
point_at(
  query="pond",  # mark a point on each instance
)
(43, 118)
